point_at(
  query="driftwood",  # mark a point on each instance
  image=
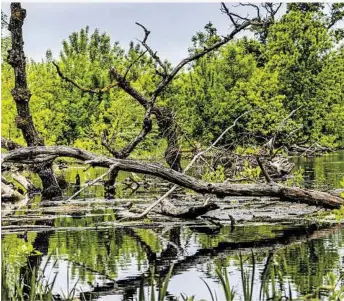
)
(167, 208)
(311, 150)
(234, 164)
(311, 197)
(164, 115)
(9, 144)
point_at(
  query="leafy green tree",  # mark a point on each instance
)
(298, 48)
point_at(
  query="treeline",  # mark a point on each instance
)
(292, 71)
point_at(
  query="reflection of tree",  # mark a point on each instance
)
(105, 251)
(323, 171)
(21, 257)
(307, 263)
(108, 251)
(230, 248)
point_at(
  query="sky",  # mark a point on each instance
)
(171, 24)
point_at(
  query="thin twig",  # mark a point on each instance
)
(88, 90)
(151, 52)
(133, 63)
(112, 167)
(265, 173)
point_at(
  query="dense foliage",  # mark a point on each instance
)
(297, 66)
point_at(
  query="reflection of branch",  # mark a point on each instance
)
(179, 250)
(86, 268)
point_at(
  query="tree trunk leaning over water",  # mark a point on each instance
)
(30, 155)
(21, 95)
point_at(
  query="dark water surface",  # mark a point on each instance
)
(81, 245)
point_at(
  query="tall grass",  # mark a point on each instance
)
(32, 286)
(162, 289)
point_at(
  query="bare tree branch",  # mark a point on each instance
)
(225, 10)
(149, 208)
(256, 7)
(161, 86)
(272, 8)
(306, 196)
(272, 141)
(147, 32)
(125, 85)
(165, 121)
(151, 52)
(265, 173)
(112, 167)
(146, 128)
(133, 63)
(9, 144)
(89, 90)
(107, 144)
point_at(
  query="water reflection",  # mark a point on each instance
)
(84, 247)
(323, 172)
(113, 261)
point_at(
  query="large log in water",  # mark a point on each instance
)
(31, 155)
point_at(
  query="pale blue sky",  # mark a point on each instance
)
(171, 24)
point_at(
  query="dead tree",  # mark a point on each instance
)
(266, 13)
(32, 155)
(164, 115)
(21, 95)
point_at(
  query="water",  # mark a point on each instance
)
(82, 247)
(324, 172)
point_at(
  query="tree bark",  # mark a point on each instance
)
(9, 144)
(168, 129)
(30, 154)
(21, 95)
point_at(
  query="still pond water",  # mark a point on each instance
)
(82, 247)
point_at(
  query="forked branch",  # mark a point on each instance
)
(151, 52)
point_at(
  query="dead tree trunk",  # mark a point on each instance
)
(21, 95)
(164, 116)
(30, 155)
(168, 130)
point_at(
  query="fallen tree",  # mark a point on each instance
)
(30, 155)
